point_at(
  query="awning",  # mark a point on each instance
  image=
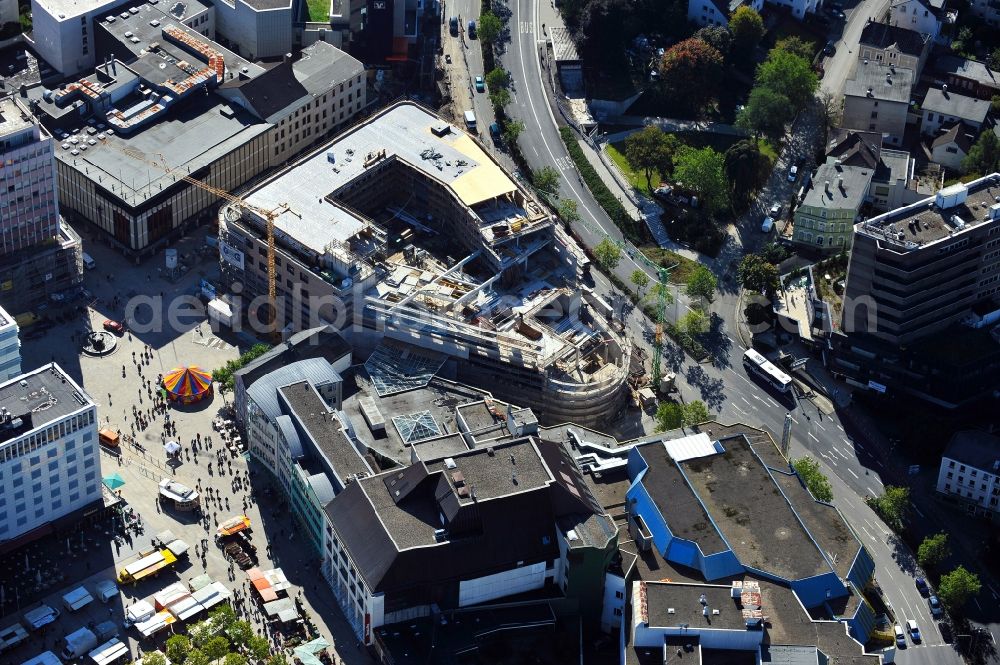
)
(234, 525)
(114, 481)
(306, 653)
(171, 447)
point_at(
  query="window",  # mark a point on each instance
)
(950, 474)
(874, 115)
(619, 595)
(618, 611)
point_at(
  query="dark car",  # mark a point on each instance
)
(114, 326)
(922, 586)
(945, 629)
(830, 49)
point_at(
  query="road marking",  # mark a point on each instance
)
(749, 382)
(871, 491)
(745, 413)
(869, 534)
(840, 427)
(918, 510)
(813, 436)
(993, 591)
(746, 400)
(854, 474)
(526, 27)
(979, 606)
(843, 454)
(821, 427)
(994, 637)
(775, 404)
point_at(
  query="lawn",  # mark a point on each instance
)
(319, 10)
(635, 178)
(666, 258)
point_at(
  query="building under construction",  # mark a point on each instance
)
(409, 236)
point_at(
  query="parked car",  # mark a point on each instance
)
(897, 630)
(447, 58)
(495, 132)
(936, 610)
(945, 629)
(793, 173)
(114, 326)
(775, 211)
(913, 630)
(922, 587)
(480, 84)
(767, 225)
(829, 49)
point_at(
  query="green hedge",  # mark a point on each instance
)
(632, 229)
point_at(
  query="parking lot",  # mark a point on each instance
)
(123, 384)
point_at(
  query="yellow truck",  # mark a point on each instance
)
(151, 563)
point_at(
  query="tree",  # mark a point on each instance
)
(500, 97)
(240, 633)
(993, 61)
(259, 648)
(797, 46)
(651, 150)
(695, 413)
(758, 275)
(747, 27)
(788, 74)
(178, 647)
(224, 375)
(933, 550)
(659, 290)
(717, 37)
(489, 27)
(765, 113)
(197, 657)
(703, 170)
(277, 659)
(701, 284)
(984, 155)
(224, 617)
(154, 658)
(640, 279)
(669, 416)
(511, 130)
(546, 179)
(497, 78)
(691, 70)
(216, 647)
(956, 588)
(694, 323)
(567, 211)
(814, 479)
(234, 659)
(891, 506)
(602, 28)
(746, 170)
(608, 254)
(201, 632)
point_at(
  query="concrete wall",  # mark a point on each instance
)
(255, 34)
(890, 119)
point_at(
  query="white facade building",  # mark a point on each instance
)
(10, 347)
(717, 12)
(256, 29)
(970, 472)
(29, 211)
(49, 460)
(924, 16)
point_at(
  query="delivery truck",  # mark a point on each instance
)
(11, 636)
(150, 564)
(40, 616)
(79, 643)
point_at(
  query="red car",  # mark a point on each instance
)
(114, 326)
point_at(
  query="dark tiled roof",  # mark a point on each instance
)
(954, 104)
(883, 36)
(975, 448)
(960, 134)
(854, 148)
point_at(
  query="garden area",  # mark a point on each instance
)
(829, 276)
(319, 10)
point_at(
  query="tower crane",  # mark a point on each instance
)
(267, 215)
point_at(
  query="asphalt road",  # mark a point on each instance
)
(853, 462)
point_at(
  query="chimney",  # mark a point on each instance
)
(287, 59)
(944, 89)
(840, 183)
(826, 187)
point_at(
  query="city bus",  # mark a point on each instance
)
(762, 367)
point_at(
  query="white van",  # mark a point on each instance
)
(106, 590)
(40, 616)
(88, 261)
(767, 225)
(470, 120)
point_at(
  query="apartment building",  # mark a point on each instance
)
(10, 347)
(965, 76)
(877, 99)
(50, 465)
(894, 45)
(824, 220)
(717, 12)
(920, 281)
(942, 107)
(924, 16)
(970, 472)
(29, 211)
(39, 256)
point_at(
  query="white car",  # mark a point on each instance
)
(914, 631)
(793, 173)
(900, 636)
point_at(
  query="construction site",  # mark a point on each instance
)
(407, 235)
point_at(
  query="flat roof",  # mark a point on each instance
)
(505, 468)
(755, 518)
(13, 118)
(64, 10)
(923, 222)
(38, 398)
(847, 188)
(688, 602)
(886, 82)
(325, 429)
(677, 503)
(301, 194)
(563, 46)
